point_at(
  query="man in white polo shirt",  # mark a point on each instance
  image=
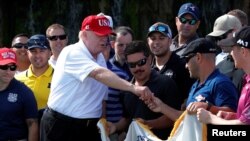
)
(79, 85)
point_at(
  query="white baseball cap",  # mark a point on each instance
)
(225, 23)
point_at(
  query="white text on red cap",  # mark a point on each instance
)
(7, 55)
(103, 22)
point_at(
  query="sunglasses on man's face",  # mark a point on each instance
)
(20, 45)
(6, 67)
(55, 38)
(138, 63)
(187, 58)
(223, 36)
(189, 21)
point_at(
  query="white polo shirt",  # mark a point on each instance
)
(73, 93)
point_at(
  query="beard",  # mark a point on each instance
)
(161, 54)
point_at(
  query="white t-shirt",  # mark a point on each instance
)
(73, 93)
(220, 57)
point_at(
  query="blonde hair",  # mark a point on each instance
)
(55, 26)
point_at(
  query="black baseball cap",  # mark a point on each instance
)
(200, 45)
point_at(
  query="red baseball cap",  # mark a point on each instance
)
(7, 56)
(98, 24)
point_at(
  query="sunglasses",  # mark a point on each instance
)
(161, 28)
(138, 63)
(187, 58)
(223, 36)
(6, 67)
(54, 38)
(189, 21)
(20, 45)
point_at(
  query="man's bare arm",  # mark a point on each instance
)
(33, 129)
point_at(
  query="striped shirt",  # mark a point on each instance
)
(114, 104)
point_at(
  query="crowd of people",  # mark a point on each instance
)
(54, 91)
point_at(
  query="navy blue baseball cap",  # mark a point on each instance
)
(189, 8)
(38, 41)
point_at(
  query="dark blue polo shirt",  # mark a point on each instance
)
(17, 103)
(218, 89)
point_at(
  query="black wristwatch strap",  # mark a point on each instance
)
(209, 105)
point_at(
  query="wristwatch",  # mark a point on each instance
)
(209, 105)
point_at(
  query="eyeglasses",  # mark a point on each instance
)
(187, 58)
(189, 21)
(161, 28)
(20, 45)
(138, 63)
(54, 38)
(6, 67)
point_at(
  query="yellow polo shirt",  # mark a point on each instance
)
(39, 85)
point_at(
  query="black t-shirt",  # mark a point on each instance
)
(175, 69)
(164, 88)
